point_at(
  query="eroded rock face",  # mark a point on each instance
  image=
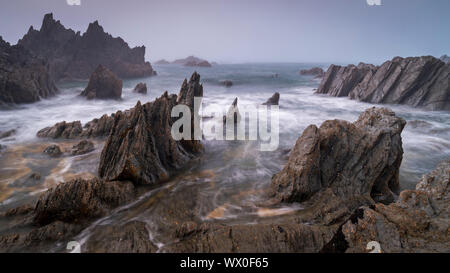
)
(353, 159)
(315, 71)
(274, 100)
(53, 151)
(140, 146)
(24, 78)
(417, 222)
(83, 147)
(81, 200)
(75, 56)
(103, 84)
(416, 81)
(141, 88)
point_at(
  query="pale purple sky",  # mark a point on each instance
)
(253, 30)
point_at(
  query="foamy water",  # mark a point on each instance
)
(229, 180)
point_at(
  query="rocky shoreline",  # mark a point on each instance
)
(344, 175)
(416, 81)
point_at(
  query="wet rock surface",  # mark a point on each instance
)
(103, 84)
(24, 78)
(53, 151)
(274, 100)
(140, 146)
(233, 114)
(141, 88)
(83, 147)
(75, 56)
(415, 81)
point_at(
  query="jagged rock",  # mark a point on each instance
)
(315, 71)
(132, 237)
(81, 200)
(353, 159)
(417, 222)
(103, 84)
(163, 61)
(23, 77)
(141, 88)
(226, 83)
(7, 134)
(53, 151)
(75, 56)
(83, 147)
(140, 147)
(416, 81)
(233, 113)
(98, 127)
(62, 130)
(274, 100)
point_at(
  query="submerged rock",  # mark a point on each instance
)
(81, 200)
(416, 81)
(141, 88)
(315, 71)
(353, 159)
(140, 147)
(274, 100)
(226, 83)
(103, 84)
(83, 147)
(24, 78)
(53, 151)
(75, 56)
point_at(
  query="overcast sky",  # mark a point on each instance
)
(344, 31)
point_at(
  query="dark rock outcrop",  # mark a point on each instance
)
(53, 151)
(416, 81)
(140, 147)
(417, 222)
(233, 113)
(226, 83)
(353, 159)
(83, 147)
(7, 134)
(75, 56)
(274, 100)
(315, 71)
(141, 88)
(103, 84)
(24, 78)
(81, 200)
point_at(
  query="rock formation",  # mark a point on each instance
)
(53, 151)
(226, 83)
(353, 159)
(315, 71)
(103, 84)
(162, 61)
(445, 58)
(140, 147)
(199, 64)
(191, 59)
(141, 88)
(75, 56)
(418, 82)
(274, 100)
(83, 147)
(24, 78)
(233, 114)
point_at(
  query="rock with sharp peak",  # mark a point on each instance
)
(75, 56)
(103, 84)
(274, 100)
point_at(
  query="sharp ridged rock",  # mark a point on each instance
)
(416, 81)
(140, 146)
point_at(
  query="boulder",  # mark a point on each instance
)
(315, 71)
(226, 83)
(62, 130)
(415, 81)
(7, 134)
(274, 100)
(417, 222)
(141, 88)
(83, 147)
(359, 159)
(103, 84)
(24, 78)
(53, 151)
(75, 56)
(80, 200)
(140, 147)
